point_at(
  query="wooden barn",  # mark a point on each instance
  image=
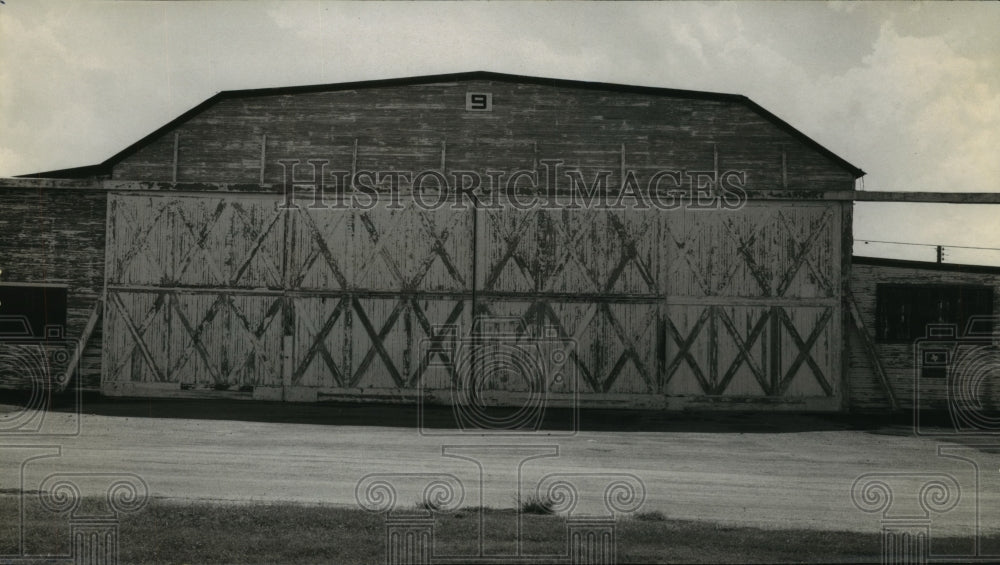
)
(687, 249)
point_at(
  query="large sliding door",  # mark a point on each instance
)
(231, 293)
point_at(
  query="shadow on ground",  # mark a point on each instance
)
(443, 417)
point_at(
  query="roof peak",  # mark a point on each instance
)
(478, 75)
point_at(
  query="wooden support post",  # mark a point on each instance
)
(177, 143)
(287, 364)
(263, 156)
(774, 357)
(354, 162)
(74, 362)
(716, 191)
(872, 352)
(621, 186)
(784, 168)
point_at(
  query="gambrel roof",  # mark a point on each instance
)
(106, 167)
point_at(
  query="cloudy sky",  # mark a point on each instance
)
(909, 92)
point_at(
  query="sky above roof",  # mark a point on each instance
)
(909, 92)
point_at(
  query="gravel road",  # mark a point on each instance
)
(769, 476)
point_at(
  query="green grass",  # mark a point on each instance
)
(535, 504)
(185, 532)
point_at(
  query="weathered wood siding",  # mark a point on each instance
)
(194, 291)
(723, 291)
(230, 293)
(368, 287)
(898, 359)
(419, 127)
(593, 274)
(58, 237)
(752, 301)
(202, 292)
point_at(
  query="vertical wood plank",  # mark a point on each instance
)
(177, 143)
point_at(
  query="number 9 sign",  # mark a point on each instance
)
(478, 101)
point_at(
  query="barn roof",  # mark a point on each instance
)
(926, 265)
(105, 167)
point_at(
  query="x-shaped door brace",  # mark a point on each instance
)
(570, 250)
(542, 312)
(166, 301)
(199, 232)
(711, 385)
(380, 237)
(744, 244)
(343, 375)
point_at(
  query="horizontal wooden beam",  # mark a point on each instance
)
(15, 183)
(767, 194)
(929, 197)
(445, 397)
(306, 194)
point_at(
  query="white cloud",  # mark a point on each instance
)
(926, 111)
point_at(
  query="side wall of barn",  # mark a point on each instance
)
(898, 360)
(56, 236)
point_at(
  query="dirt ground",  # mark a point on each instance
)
(781, 471)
